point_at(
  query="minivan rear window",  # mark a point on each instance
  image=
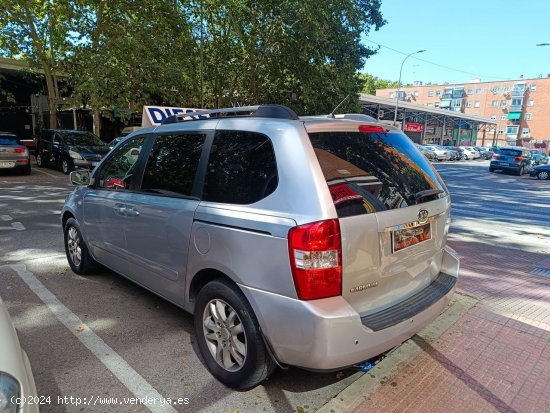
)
(373, 172)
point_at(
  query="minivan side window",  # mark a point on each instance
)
(118, 170)
(172, 164)
(241, 168)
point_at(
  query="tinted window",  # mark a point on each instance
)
(374, 172)
(509, 152)
(9, 141)
(119, 169)
(241, 168)
(81, 138)
(172, 164)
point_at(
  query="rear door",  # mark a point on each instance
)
(392, 207)
(160, 215)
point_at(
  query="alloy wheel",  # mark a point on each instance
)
(73, 244)
(224, 334)
(542, 175)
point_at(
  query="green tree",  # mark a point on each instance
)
(38, 31)
(371, 83)
(305, 54)
(128, 55)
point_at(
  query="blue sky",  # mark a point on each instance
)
(487, 39)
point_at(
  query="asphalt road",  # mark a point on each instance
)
(101, 337)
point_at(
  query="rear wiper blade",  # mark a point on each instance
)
(426, 193)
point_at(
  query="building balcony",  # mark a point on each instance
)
(515, 108)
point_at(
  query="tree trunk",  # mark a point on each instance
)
(53, 96)
(97, 119)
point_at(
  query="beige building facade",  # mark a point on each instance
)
(520, 108)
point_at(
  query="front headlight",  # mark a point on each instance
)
(75, 155)
(10, 394)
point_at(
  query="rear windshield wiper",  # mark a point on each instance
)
(424, 194)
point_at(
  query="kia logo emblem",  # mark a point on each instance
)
(422, 215)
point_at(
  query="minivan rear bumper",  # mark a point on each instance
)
(329, 334)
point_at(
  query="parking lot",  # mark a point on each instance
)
(106, 342)
(101, 336)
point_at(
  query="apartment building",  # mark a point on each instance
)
(520, 108)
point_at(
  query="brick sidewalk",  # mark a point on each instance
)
(496, 357)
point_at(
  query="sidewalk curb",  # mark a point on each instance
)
(355, 393)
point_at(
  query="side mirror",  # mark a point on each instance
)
(81, 177)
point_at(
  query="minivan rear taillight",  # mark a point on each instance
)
(495, 155)
(518, 158)
(371, 129)
(315, 252)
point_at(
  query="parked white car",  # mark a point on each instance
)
(16, 379)
(469, 152)
(441, 153)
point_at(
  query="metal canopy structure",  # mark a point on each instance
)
(424, 124)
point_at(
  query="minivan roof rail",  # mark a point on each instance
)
(258, 111)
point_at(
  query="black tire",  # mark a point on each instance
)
(521, 171)
(66, 166)
(27, 170)
(74, 244)
(257, 364)
(543, 175)
(491, 169)
(40, 162)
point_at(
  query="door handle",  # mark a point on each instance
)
(126, 211)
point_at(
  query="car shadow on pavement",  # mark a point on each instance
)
(283, 390)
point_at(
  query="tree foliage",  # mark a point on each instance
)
(371, 83)
(121, 54)
(39, 32)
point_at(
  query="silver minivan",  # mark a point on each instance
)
(312, 242)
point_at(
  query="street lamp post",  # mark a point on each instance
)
(399, 84)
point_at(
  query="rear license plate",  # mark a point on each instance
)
(407, 237)
(7, 164)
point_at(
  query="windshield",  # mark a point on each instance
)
(82, 138)
(371, 172)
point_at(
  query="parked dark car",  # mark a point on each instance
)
(542, 172)
(455, 155)
(484, 153)
(13, 154)
(539, 157)
(460, 152)
(69, 149)
(512, 158)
